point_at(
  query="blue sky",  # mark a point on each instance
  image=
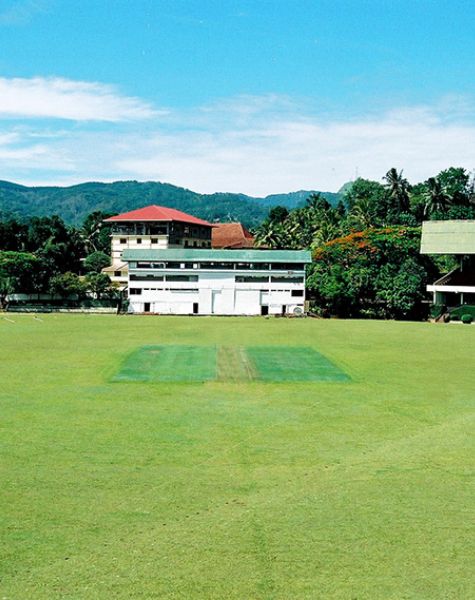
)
(252, 96)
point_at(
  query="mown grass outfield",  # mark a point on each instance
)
(235, 488)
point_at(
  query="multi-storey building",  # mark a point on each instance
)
(153, 227)
(221, 282)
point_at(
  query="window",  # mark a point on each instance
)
(181, 278)
(139, 240)
(154, 241)
(286, 279)
(135, 291)
(117, 273)
(186, 243)
(147, 277)
(158, 230)
(297, 292)
(143, 265)
(251, 279)
(251, 266)
(216, 265)
(123, 240)
(287, 267)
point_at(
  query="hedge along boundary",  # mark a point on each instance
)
(465, 309)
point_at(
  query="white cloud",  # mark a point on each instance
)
(279, 151)
(20, 12)
(57, 98)
(253, 145)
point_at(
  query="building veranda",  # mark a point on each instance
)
(457, 238)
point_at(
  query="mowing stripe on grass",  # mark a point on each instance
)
(234, 364)
(173, 363)
(293, 363)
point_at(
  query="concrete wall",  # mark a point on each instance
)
(117, 247)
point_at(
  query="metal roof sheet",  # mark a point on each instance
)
(448, 237)
(209, 255)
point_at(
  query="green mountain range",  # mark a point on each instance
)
(75, 202)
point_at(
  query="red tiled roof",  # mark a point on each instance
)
(231, 235)
(158, 213)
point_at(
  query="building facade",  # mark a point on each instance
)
(153, 227)
(457, 238)
(216, 282)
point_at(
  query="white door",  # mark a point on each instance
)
(216, 302)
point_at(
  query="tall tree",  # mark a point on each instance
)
(271, 234)
(366, 203)
(437, 200)
(95, 233)
(398, 189)
(455, 182)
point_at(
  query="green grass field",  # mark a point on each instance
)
(235, 488)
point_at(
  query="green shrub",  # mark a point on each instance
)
(466, 318)
(436, 310)
(465, 309)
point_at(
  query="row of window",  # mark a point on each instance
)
(156, 229)
(237, 278)
(226, 266)
(138, 291)
(140, 229)
(265, 279)
(164, 277)
(195, 244)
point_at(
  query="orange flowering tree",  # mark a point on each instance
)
(378, 272)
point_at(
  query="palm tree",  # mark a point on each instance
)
(362, 214)
(437, 199)
(270, 235)
(317, 202)
(398, 188)
(91, 230)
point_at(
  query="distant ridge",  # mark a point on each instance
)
(73, 203)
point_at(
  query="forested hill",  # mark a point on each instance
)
(75, 202)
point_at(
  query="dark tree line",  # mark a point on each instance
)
(44, 255)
